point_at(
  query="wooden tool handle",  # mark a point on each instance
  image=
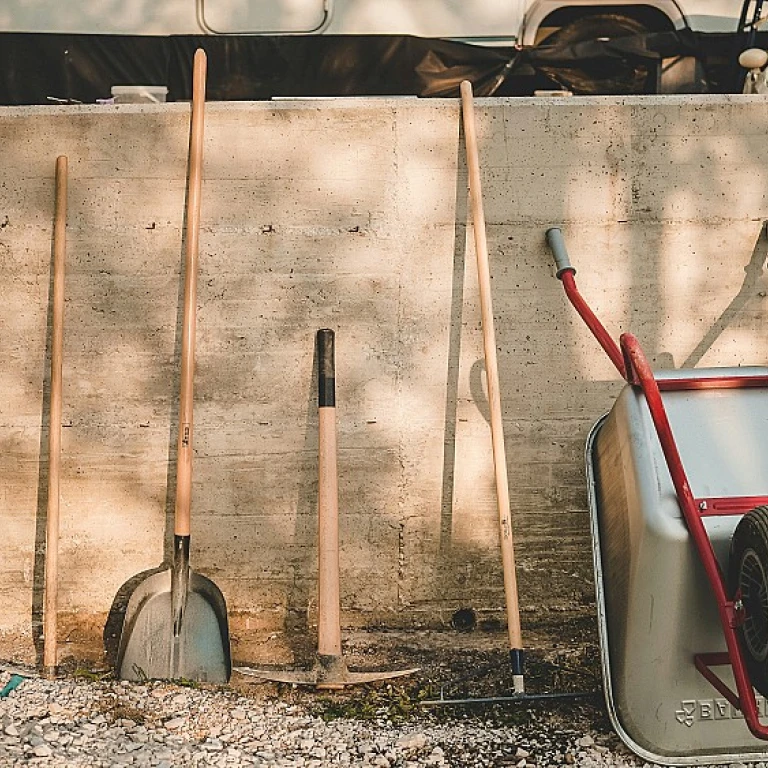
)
(184, 447)
(50, 611)
(492, 371)
(329, 595)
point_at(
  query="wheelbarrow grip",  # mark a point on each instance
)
(556, 243)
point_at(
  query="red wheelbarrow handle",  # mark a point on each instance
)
(565, 273)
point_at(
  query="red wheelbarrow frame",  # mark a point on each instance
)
(632, 364)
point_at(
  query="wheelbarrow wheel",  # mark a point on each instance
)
(748, 579)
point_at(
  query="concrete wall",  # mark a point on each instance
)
(352, 214)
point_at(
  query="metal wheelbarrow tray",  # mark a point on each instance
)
(674, 468)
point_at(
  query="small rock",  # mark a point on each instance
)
(412, 741)
(213, 745)
(238, 714)
(174, 723)
(11, 730)
(31, 729)
(42, 750)
(586, 741)
(522, 753)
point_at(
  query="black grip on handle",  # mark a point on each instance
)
(326, 369)
(557, 246)
(517, 659)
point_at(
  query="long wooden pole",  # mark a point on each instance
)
(50, 609)
(329, 594)
(184, 454)
(494, 398)
(194, 193)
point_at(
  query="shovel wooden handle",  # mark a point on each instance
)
(50, 610)
(492, 374)
(194, 189)
(329, 598)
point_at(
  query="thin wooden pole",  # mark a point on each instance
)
(50, 610)
(186, 397)
(494, 398)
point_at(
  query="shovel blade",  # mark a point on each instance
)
(150, 651)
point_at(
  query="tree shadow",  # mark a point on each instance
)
(296, 620)
(454, 352)
(753, 271)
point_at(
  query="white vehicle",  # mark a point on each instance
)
(483, 22)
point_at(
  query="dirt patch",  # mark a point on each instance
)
(562, 657)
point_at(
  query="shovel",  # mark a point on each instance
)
(176, 620)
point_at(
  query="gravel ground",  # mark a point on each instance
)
(87, 718)
(76, 722)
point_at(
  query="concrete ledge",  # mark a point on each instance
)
(352, 214)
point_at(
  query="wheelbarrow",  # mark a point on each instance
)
(678, 498)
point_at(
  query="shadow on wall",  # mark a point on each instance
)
(627, 227)
(41, 517)
(87, 417)
(753, 273)
(301, 239)
(452, 363)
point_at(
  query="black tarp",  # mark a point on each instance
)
(41, 69)
(38, 69)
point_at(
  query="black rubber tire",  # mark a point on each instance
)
(748, 574)
(597, 26)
